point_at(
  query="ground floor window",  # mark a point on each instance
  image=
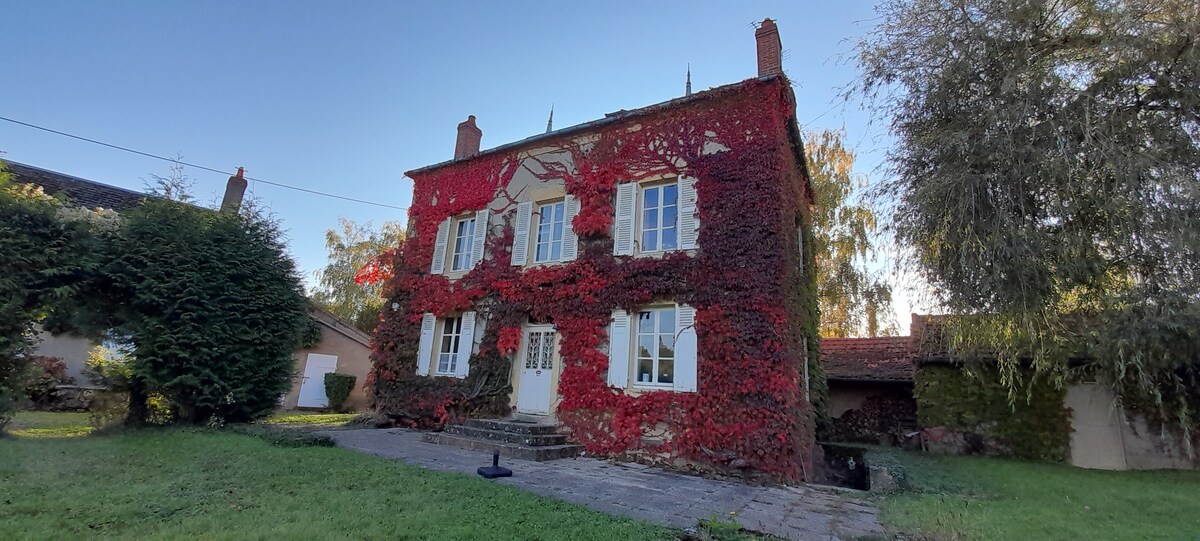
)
(655, 346)
(451, 337)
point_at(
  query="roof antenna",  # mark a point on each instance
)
(550, 122)
(688, 90)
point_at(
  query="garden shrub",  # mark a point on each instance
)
(280, 436)
(975, 402)
(45, 375)
(337, 389)
(370, 419)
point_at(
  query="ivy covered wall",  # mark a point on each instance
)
(754, 295)
(967, 409)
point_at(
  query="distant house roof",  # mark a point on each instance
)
(326, 318)
(874, 359)
(79, 191)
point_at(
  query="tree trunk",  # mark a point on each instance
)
(138, 409)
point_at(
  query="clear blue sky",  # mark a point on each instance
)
(344, 97)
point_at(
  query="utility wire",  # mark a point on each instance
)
(201, 167)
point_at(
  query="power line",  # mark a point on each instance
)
(201, 167)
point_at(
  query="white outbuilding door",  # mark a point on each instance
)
(312, 386)
(537, 369)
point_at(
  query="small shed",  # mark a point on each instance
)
(870, 396)
(342, 348)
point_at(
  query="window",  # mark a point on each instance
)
(464, 242)
(656, 346)
(550, 232)
(447, 357)
(660, 218)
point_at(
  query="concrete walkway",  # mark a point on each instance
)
(804, 512)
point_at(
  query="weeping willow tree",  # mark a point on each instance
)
(1046, 175)
(854, 301)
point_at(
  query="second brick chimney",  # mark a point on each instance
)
(235, 189)
(770, 50)
(469, 136)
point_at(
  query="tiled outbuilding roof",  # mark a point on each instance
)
(880, 359)
(81, 192)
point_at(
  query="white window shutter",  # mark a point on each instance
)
(439, 248)
(618, 350)
(689, 221)
(570, 246)
(425, 346)
(481, 230)
(520, 248)
(625, 206)
(466, 343)
(685, 349)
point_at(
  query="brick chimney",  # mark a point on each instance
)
(235, 189)
(469, 136)
(770, 50)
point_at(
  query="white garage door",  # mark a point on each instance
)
(312, 387)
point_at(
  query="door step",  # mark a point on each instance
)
(513, 439)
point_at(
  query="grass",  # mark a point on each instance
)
(987, 498)
(307, 418)
(45, 424)
(198, 484)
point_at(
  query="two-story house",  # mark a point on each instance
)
(637, 285)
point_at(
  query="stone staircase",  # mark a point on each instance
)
(513, 439)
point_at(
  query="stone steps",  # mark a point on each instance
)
(540, 453)
(516, 427)
(531, 440)
(513, 439)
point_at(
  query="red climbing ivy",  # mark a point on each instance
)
(755, 305)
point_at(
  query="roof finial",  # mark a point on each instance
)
(688, 90)
(550, 122)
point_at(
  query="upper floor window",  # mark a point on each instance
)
(655, 217)
(459, 243)
(447, 357)
(544, 231)
(551, 218)
(464, 242)
(660, 218)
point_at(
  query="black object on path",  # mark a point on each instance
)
(494, 471)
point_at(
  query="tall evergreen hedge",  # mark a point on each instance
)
(213, 308)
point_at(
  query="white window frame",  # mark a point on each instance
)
(462, 256)
(555, 210)
(656, 334)
(448, 337)
(640, 233)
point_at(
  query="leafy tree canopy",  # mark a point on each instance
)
(207, 302)
(351, 249)
(211, 305)
(1046, 175)
(854, 301)
(37, 267)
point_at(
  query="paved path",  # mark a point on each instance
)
(646, 493)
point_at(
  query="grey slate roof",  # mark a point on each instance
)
(82, 192)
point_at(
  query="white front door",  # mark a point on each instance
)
(312, 387)
(537, 369)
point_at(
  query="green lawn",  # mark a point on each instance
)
(44, 424)
(986, 498)
(56, 483)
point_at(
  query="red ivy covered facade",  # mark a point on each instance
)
(755, 312)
